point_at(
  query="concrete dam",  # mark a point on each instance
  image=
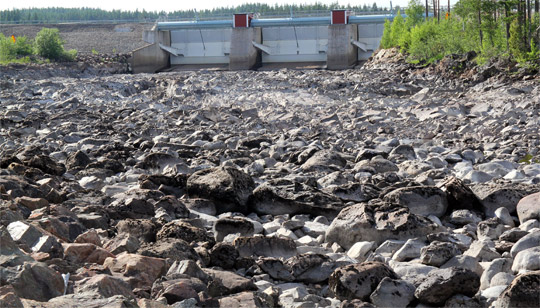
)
(337, 41)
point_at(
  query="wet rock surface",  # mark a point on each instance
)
(374, 187)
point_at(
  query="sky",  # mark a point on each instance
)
(167, 5)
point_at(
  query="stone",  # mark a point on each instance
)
(359, 250)
(522, 292)
(466, 262)
(500, 265)
(231, 225)
(36, 281)
(243, 300)
(528, 241)
(421, 200)
(482, 251)
(392, 293)
(376, 223)
(464, 217)
(184, 231)
(228, 187)
(188, 267)
(77, 160)
(140, 271)
(527, 260)
(8, 298)
(170, 248)
(10, 254)
(438, 253)
(122, 242)
(324, 160)
(491, 229)
(501, 279)
(85, 253)
(494, 197)
(32, 203)
(389, 247)
(459, 196)
(442, 284)
(231, 282)
(91, 236)
(176, 290)
(354, 192)
(311, 267)
(224, 255)
(104, 285)
(504, 216)
(529, 207)
(265, 246)
(410, 250)
(358, 281)
(283, 196)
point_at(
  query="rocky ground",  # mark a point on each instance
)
(382, 186)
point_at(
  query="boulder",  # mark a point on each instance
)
(324, 160)
(104, 285)
(459, 196)
(232, 225)
(442, 284)
(529, 207)
(230, 282)
(527, 260)
(393, 293)
(228, 187)
(37, 281)
(421, 200)
(85, 253)
(377, 222)
(358, 281)
(437, 253)
(265, 246)
(283, 196)
(140, 271)
(522, 292)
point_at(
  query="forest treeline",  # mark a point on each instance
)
(490, 29)
(56, 14)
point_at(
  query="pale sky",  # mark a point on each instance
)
(167, 5)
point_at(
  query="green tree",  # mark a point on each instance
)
(398, 29)
(49, 44)
(386, 40)
(415, 13)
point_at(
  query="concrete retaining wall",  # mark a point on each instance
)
(151, 58)
(244, 55)
(341, 53)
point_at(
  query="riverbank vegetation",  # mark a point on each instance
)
(47, 46)
(491, 29)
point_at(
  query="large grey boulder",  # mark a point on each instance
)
(442, 284)
(377, 222)
(421, 200)
(228, 187)
(283, 196)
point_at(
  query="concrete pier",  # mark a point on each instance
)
(243, 55)
(152, 58)
(341, 52)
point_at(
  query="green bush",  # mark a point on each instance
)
(49, 44)
(10, 50)
(7, 48)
